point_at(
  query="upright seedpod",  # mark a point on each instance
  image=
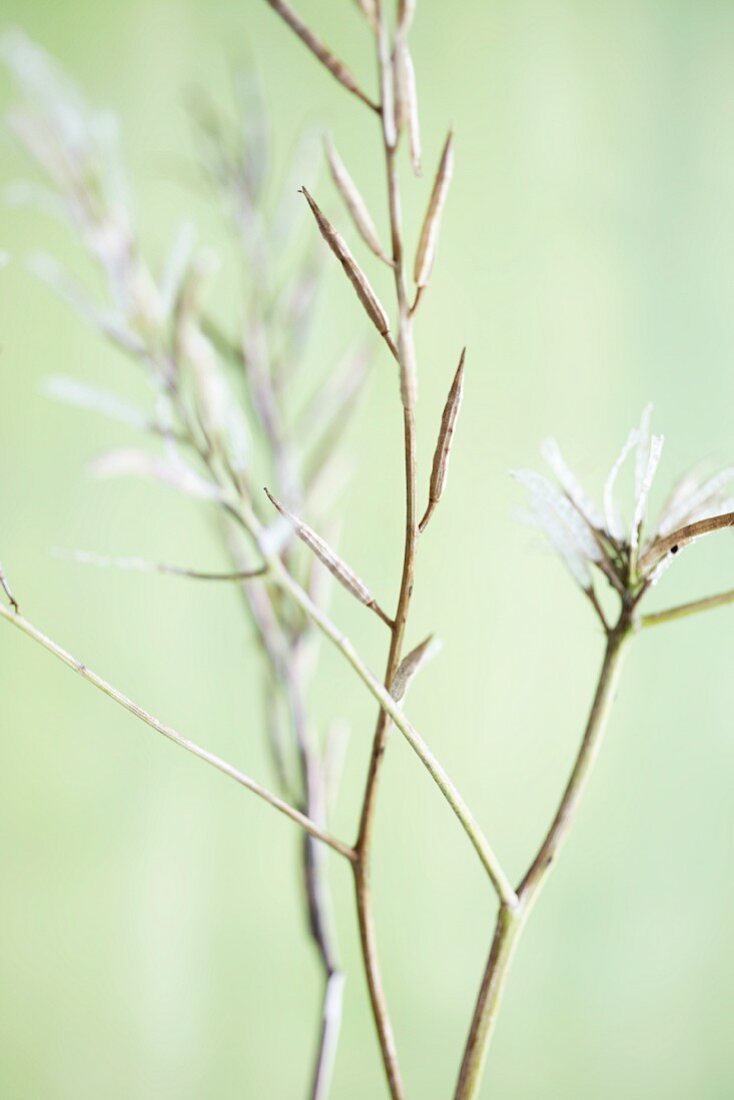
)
(428, 244)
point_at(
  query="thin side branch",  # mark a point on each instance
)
(336, 67)
(173, 735)
(435, 769)
(140, 565)
(682, 611)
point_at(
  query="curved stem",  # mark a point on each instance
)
(511, 923)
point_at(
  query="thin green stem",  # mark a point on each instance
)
(682, 611)
(280, 576)
(173, 735)
(511, 923)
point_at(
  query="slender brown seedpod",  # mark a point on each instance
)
(410, 665)
(356, 276)
(428, 243)
(336, 67)
(443, 445)
(406, 14)
(387, 89)
(336, 565)
(675, 541)
(354, 202)
(406, 101)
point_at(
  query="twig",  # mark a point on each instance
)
(280, 576)
(336, 67)
(8, 591)
(682, 611)
(167, 731)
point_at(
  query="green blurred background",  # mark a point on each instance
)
(152, 941)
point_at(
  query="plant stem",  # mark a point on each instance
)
(280, 576)
(362, 866)
(682, 611)
(173, 735)
(511, 923)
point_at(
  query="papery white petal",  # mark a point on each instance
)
(643, 450)
(543, 518)
(655, 450)
(545, 492)
(551, 452)
(690, 507)
(611, 511)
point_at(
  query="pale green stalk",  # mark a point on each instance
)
(215, 761)
(510, 923)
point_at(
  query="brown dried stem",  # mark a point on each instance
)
(405, 343)
(336, 67)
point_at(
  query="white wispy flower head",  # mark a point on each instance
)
(623, 544)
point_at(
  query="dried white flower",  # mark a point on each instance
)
(634, 554)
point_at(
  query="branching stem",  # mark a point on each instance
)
(684, 610)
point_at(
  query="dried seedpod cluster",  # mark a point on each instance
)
(209, 388)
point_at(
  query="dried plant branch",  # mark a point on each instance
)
(336, 67)
(207, 453)
(406, 361)
(215, 761)
(280, 576)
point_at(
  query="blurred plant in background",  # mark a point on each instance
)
(207, 388)
(223, 420)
